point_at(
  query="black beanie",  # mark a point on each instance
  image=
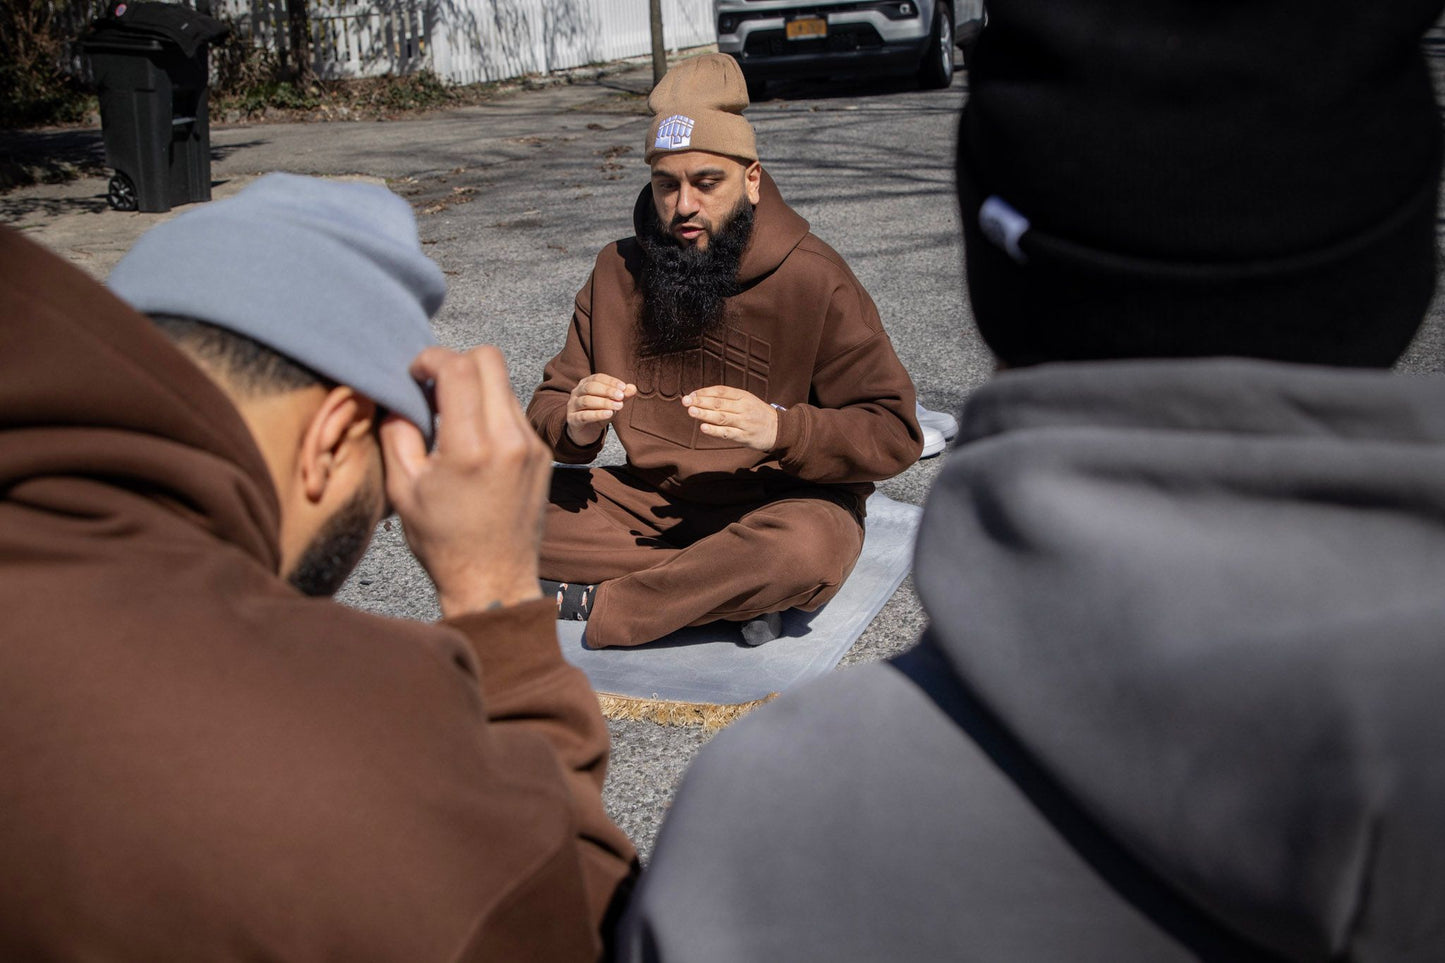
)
(1179, 178)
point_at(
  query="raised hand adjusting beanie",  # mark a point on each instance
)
(699, 105)
(1165, 178)
(329, 274)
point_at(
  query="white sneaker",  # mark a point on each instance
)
(941, 421)
(938, 428)
(933, 441)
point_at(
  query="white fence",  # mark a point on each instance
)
(469, 41)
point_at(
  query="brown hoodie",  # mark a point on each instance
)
(200, 763)
(802, 334)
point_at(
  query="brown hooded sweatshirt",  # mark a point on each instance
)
(802, 334)
(199, 762)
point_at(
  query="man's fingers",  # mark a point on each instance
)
(606, 386)
(597, 402)
(403, 452)
(596, 398)
(424, 367)
(708, 415)
(715, 395)
(704, 402)
(500, 408)
(473, 396)
(456, 392)
(592, 399)
(734, 414)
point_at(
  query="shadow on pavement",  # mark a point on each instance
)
(20, 208)
(14, 208)
(48, 156)
(843, 87)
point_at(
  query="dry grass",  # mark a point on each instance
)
(704, 714)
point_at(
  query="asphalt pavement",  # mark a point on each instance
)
(515, 197)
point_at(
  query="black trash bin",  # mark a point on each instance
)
(151, 65)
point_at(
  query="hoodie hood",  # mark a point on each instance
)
(1206, 597)
(777, 229)
(100, 414)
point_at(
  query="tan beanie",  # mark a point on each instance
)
(699, 106)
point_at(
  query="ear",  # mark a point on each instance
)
(753, 181)
(336, 441)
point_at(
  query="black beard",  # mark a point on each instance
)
(685, 289)
(336, 549)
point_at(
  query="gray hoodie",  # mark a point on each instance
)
(1181, 698)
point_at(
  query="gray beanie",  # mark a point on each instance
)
(329, 274)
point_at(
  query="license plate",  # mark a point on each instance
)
(807, 29)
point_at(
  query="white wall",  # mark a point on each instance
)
(477, 40)
(469, 41)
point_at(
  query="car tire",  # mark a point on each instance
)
(936, 71)
(757, 87)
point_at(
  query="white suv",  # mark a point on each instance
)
(797, 38)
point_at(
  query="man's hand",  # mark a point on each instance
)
(472, 509)
(734, 414)
(592, 404)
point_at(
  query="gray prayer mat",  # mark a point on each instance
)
(707, 675)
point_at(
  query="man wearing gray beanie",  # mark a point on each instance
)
(1180, 698)
(205, 757)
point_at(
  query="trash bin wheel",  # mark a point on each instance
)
(121, 195)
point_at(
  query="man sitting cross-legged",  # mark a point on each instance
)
(749, 380)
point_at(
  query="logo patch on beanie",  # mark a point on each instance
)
(674, 133)
(1004, 226)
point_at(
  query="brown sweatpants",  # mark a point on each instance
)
(663, 564)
